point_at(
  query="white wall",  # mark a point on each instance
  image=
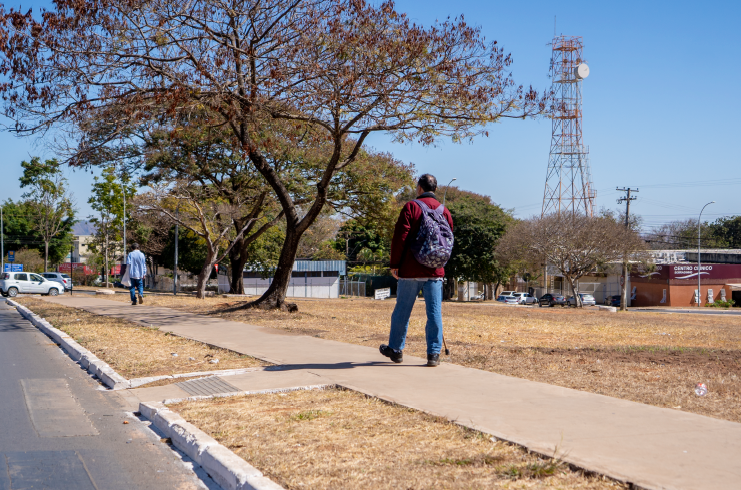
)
(299, 287)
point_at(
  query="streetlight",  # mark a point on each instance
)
(2, 242)
(699, 293)
(446, 189)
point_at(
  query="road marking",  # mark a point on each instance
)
(61, 470)
(53, 410)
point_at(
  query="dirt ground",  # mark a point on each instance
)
(333, 439)
(135, 351)
(649, 358)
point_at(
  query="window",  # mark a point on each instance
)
(65, 276)
(36, 277)
(49, 276)
(314, 274)
(21, 277)
(4, 275)
(331, 274)
(298, 274)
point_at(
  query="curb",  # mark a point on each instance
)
(226, 468)
(78, 353)
(99, 368)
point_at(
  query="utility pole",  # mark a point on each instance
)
(699, 268)
(2, 242)
(175, 269)
(624, 289)
(123, 184)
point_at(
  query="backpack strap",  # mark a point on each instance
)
(440, 209)
(421, 204)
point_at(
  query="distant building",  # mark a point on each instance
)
(676, 284)
(309, 279)
(83, 234)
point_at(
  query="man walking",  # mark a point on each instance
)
(137, 264)
(417, 261)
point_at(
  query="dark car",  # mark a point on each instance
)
(615, 300)
(552, 300)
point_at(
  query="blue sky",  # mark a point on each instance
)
(661, 106)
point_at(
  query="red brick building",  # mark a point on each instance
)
(675, 284)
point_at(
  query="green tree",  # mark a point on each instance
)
(478, 224)
(20, 232)
(107, 200)
(727, 232)
(48, 200)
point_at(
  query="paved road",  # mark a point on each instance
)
(59, 431)
(692, 311)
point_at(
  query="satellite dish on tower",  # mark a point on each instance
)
(581, 71)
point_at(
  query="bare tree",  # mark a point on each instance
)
(201, 210)
(330, 71)
(575, 244)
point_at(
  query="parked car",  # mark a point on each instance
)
(63, 279)
(504, 294)
(13, 283)
(552, 300)
(615, 300)
(521, 299)
(586, 300)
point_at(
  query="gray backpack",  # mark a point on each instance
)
(434, 242)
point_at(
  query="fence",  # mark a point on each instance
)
(348, 287)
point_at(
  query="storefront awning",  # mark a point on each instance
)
(734, 287)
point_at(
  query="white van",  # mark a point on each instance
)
(14, 283)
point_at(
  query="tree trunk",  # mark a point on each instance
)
(489, 292)
(46, 256)
(205, 273)
(238, 258)
(624, 288)
(275, 296)
(577, 299)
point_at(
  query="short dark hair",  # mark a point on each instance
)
(134, 246)
(428, 183)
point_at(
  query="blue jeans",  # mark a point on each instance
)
(136, 283)
(406, 294)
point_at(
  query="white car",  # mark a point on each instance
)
(63, 279)
(14, 283)
(586, 300)
(520, 299)
(504, 294)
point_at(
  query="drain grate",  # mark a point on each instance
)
(207, 386)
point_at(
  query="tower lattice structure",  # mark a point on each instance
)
(568, 182)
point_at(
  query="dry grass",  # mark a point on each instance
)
(332, 439)
(135, 351)
(649, 358)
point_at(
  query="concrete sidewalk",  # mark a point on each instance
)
(648, 446)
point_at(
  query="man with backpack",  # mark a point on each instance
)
(422, 243)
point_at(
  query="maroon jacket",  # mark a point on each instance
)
(405, 233)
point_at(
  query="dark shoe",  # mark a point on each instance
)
(395, 355)
(141, 300)
(133, 303)
(433, 360)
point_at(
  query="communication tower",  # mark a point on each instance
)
(568, 182)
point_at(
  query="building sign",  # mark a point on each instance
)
(11, 256)
(13, 267)
(689, 272)
(68, 267)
